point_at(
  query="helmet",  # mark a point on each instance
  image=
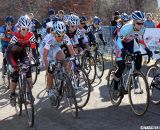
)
(116, 13)
(138, 15)
(83, 19)
(124, 17)
(9, 19)
(24, 21)
(59, 27)
(51, 12)
(74, 20)
(96, 20)
(66, 18)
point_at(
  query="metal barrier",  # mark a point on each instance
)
(107, 32)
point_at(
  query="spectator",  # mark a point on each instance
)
(149, 23)
(35, 25)
(51, 17)
(115, 19)
(60, 15)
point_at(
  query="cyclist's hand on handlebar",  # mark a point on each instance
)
(124, 53)
(149, 53)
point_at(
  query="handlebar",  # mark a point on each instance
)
(135, 54)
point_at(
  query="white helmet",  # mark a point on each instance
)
(24, 21)
(74, 20)
(59, 27)
(49, 24)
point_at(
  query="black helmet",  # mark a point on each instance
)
(9, 19)
(51, 12)
(82, 19)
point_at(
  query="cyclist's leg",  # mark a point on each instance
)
(138, 62)
(118, 73)
(12, 61)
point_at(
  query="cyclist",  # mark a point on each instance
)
(53, 51)
(124, 19)
(35, 26)
(81, 34)
(7, 32)
(94, 30)
(125, 42)
(116, 18)
(17, 51)
(71, 26)
(51, 18)
(60, 16)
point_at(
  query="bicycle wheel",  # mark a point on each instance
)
(70, 95)
(138, 93)
(99, 64)
(28, 103)
(153, 81)
(89, 67)
(34, 71)
(82, 87)
(110, 84)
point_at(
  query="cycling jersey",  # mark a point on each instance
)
(81, 35)
(127, 39)
(7, 35)
(128, 33)
(73, 38)
(17, 46)
(94, 34)
(53, 46)
(17, 51)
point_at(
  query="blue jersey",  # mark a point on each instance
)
(7, 35)
(128, 33)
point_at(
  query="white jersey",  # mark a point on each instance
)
(81, 33)
(53, 46)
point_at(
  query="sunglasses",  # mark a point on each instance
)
(25, 29)
(60, 36)
(139, 23)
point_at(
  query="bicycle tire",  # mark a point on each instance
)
(29, 105)
(34, 77)
(82, 87)
(111, 89)
(70, 95)
(99, 70)
(154, 89)
(138, 90)
(88, 64)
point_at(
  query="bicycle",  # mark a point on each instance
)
(80, 83)
(153, 77)
(132, 82)
(63, 85)
(35, 69)
(89, 65)
(98, 57)
(24, 94)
